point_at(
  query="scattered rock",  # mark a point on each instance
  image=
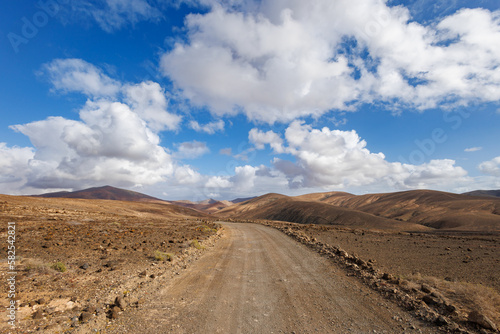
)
(85, 316)
(114, 312)
(425, 288)
(90, 309)
(387, 276)
(441, 321)
(482, 320)
(430, 300)
(120, 302)
(38, 315)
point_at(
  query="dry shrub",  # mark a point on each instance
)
(196, 244)
(162, 256)
(35, 266)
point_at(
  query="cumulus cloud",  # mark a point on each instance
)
(148, 100)
(339, 159)
(289, 59)
(218, 182)
(14, 163)
(491, 167)
(191, 150)
(260, 139)
(111, 144)
(115, 141)
(185, 175)
(76, 75)
(210, 128)
(244, 178)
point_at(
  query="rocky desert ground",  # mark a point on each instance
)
(84, 261)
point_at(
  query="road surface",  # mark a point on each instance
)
(258, 280)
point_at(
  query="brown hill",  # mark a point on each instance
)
(439, 210)
(131, 209)
(484, 193)
(106, 192)
(284, 208)
(208, 206)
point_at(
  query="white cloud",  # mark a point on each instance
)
(191, 150)
(185, 175)
(473, 149)
(76, 75)
(113, 15)
(289, 59)
(491, 167)
(210, 128)
(111, 144)
(260, 139)
(218, 182)
(14, 166)
(148, 100)
(244, 178)
(339, 159)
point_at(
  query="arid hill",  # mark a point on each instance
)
(484, 193)
(207, 206)
(106, 192)
(284, 208)
(408, 210)
(117, 194)
(436, 209)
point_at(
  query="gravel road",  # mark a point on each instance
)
(258, 280)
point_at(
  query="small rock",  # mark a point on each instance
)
(41, 301)
(114, 312)
(387, 276)
(74, 299)
(482, 320)
(85, 316)
(90, 309)
(143, 274)
(430, 300)
(441, 321)
(152, 276)
(38, 315)
(84, 266)
(425, 288)
(120, 302)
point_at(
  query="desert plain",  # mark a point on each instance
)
(114, 261)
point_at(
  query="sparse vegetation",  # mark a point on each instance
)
(162, 256)
(35, 265)
(59, 266)
(206, 229)
(197, 245)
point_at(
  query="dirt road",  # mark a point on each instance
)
(258, 280)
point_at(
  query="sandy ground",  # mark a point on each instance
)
(258, 280)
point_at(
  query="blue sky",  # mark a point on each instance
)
(203, 98)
